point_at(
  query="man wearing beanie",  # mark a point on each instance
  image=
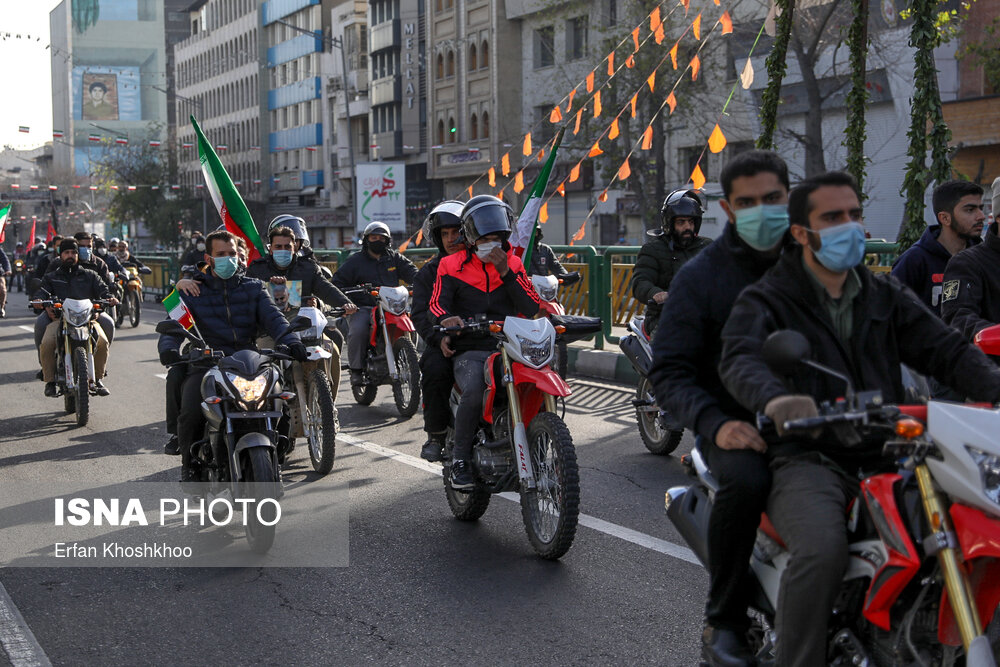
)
(71, 281)
(970, 299)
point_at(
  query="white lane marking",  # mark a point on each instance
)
(600, 525)
(16, 637)
(162, 376)
(26, 328)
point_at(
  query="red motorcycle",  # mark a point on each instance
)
(923, 581)
(547, 288)
(391, 327)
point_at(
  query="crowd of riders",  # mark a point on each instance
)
(788, 258)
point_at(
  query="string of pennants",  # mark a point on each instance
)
(17, 187)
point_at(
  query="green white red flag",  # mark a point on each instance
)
(523, 237)
(4, 216)
(232, 209)
(177, 310)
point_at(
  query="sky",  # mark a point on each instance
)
(27, 75)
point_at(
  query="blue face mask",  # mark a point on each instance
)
(282, 257)
(225, 267)
(762, 227)
(84, 254)
(843, 246)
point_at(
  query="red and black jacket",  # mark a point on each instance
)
(466, 286)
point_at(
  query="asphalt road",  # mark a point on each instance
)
(421, 587)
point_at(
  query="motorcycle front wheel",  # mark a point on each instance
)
(320, 422)
(82, 386)
(120, 313)
(465, 506)
(406, 390)
(364, 394)
(258, 469)
(550, 512)
(134, 308)
(658, 440)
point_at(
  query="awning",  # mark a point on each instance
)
(311, 190)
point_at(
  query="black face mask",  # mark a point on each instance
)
(377, 247)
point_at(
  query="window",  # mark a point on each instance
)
(540, 118)
(451, 63)
(440, 137)
(473, 61)
(484, 55)
(544, 52)
(440, 66)
(473, 127)
(576, 38)
(452, 131)
(486, 125)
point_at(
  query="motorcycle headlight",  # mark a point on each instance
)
(77, 318)
(397, 305)
(546, 293)
(251, 391)
(989, 472)
(535, 353)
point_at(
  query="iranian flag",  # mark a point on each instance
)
(228, 201)
(4, 215)
(178, 310)
(524, 229)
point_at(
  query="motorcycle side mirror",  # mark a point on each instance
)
(786, 350)
(988, 340)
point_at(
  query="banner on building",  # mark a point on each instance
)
(381, 194)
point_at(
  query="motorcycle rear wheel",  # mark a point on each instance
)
(658, 440)
(320, 422)
(258, 469)
(465, 506)
(406, 391)
(551, 511)
(82, 386)
(364, 394)
(134, 308)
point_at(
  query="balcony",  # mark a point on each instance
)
(383, 36)
(294, 48)
(278, 9)
(293, 93)
(390, 144)
(296, 137)
(385, 90)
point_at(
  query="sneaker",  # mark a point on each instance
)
(173, 446)
(433, 449)
(461, 476)
(38, 375)
(721, 647)
(50, 389)
(3, 311)
(357, 378)
(188, 474)
(100, 389)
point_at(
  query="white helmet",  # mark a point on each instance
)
(377, 227)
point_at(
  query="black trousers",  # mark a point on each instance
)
(436, 379)
(190, 420)
(744, 483)
(175, 383)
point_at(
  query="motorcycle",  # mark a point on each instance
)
(547, 288)
(75, 345)
(391, 327)
(659, 431)
(18, 278)
(314, 411)
(522, 444)
(923, 580)
(242, 400)
(131, 286)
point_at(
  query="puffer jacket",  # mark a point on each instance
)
(228, 314)
(658, 262)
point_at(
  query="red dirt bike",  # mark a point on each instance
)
(547, 288)
(390, 322)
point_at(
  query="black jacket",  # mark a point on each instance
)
(132, 261)
(73, 282)
(686, 351)
(890, 327)
(423, 286)
(386, 271)
(4, 262)
(95, 264)
(229, 312)
(306, 271)
(921, 267)
(657, 263)
(114, 266)
(971, 299)
(543, 262)
(192, 256)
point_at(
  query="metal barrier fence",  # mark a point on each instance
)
(604, 289)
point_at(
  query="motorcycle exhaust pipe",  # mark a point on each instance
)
(688, 508)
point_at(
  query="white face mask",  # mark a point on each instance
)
(484, 249)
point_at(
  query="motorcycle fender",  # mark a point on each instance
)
(79, 333)
(977, 532)
(213, 414)
(553, 308)
(492, 386)
(545, 379)
(316, 353)
(399, 325)
(248, 441)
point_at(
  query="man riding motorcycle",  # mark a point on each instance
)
(101, 250)
(71, 281)
(443, 227)
(861, 325)
(195, 252)
(685, 376)
(488, 278)
(379, 265)
(126, 258)
(229, 310)
(671, 246)
(88, 260)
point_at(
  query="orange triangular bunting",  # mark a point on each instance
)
(540, 155)
(660, 35)
(505, 164)
(635, 98)
(686, 4)
(597, 104)
(562, 189)
(569, 103)
(556, 115)
(611, 64)
(493, 177)
(671, 102)
(697, 177)
(651, 81)
(543, 213)
(574, 173)
(603, 196)
(727, 23)
(624, 171)
(613, 132)
(647, 138)
(673, 55)
(696, 27)
(590, 82)
(695, 67)
(654, 19)
(595, 150)
(527, 144)
(717, 140)
(580, 232)
(519, 182)
(420, 235)
(579, 115)
(630, 61)
(470, 192)
(635, 37)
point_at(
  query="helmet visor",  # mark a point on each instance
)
(487, 220)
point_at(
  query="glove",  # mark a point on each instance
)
(168, 357)
(298, 351)
(789, 407)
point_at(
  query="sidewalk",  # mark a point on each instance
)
(607, 364)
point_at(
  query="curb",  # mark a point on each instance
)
(602, 364)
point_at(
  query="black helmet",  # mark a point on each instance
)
(682, 203)
(486, 214)
(446, 214)
(296, 224)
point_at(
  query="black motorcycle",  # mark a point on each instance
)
(243, 401)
